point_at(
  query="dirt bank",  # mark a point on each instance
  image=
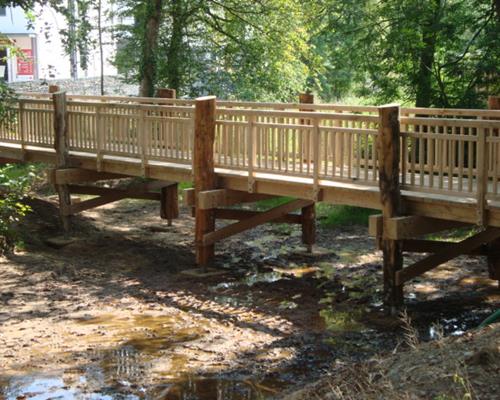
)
(115, 314)
(467, 367)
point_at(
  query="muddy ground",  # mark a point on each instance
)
(117, 313)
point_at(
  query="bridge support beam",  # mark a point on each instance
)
(390, 198)
(204, 174)
(61, 145)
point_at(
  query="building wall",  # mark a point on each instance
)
(21, 66)
(41, 43)
(52, 60)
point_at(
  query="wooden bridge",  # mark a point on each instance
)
(427, 170)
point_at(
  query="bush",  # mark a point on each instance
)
(14, 186)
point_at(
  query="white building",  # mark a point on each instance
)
(15, 30)
(41, 45)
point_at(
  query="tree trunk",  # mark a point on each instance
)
(73, 54)
(150, 47)
(101, 50)
(429, 36)
(174, 54)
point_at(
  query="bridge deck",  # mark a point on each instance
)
(449, 159)
(436, 167)
(436, 205)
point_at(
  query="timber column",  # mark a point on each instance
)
(494, 247)
(169, 202)
(61, 145)
(388, 143)
(308, 213)
(204, 173)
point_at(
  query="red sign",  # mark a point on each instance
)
(25, 64)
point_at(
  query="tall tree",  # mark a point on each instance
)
(244, 48)
(152, 17)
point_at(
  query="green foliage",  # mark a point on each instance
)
(432, 52)
(7, 97)
(14, 185)
(233, 49)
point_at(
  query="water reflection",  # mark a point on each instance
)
(49, 387)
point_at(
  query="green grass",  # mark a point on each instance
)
(271, 203)
(329, 215)
(453, 235)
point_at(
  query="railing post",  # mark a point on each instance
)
(308, 213)
(494, 247)
(169, 194)
(204, 173)
(252, 152)
(142, 141)
(61, 146)
(388, 146)
(306, 98)
(100, 140)
(22, 127)
(482, 176)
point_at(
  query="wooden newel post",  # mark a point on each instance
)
(54, 89)
(165, 93)
(61, 146)
(494, 247)
(308, 214)
(204, 173)
(388, 143)
(494, 102)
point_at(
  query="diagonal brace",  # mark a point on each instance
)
(448, 253)
(252, 222)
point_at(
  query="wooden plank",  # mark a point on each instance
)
(262, 218)
(125, 193)
(388, 147)
(238, 214)
(204, 174)
(435, 246)
(66, 176)
(415, 225)
(93, 203)
(431, 262)
(226, 197)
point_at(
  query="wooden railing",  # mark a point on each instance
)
(445, 151)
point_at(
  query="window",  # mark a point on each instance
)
(3, 11)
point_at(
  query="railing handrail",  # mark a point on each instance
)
(281, 106)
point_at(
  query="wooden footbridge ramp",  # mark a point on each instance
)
(427, 170)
